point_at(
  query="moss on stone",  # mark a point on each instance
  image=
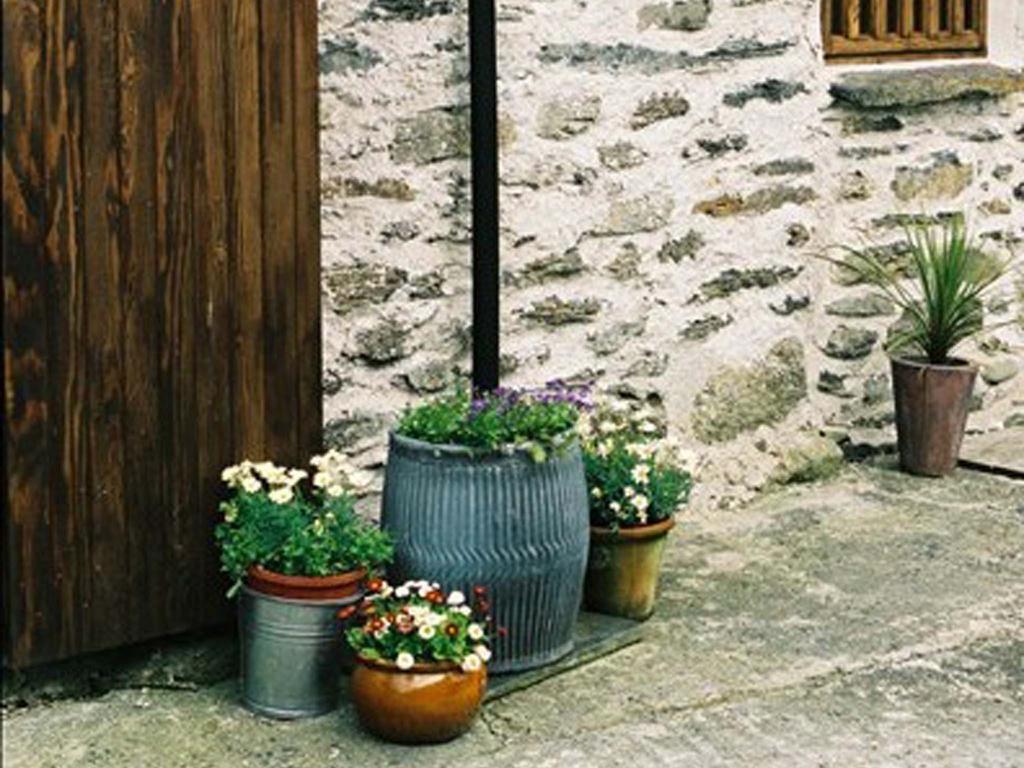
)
(740, 398)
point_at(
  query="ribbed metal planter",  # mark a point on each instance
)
(291, 654)
(519, 528)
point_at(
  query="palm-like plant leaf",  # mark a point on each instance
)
(943, 302)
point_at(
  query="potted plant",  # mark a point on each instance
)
(490, 490)
(636, 484)
(297, 553)
(420, 671)
(942, 306)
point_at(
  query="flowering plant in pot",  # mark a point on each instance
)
(297, 552)
(943, 306)
(421, 655)
(637, 482)
(489, 489)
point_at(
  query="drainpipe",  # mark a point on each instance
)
(483, 79)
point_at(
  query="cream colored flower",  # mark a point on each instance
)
(641, 503)
(471, 663)
(405, 661)
(475, 632)
(641, 474)
(629, 491)
(335, 491)
(282, 495)
(456, 598)
(427, 632)
(401, 593)
(251, 485)
(596, 492)
(434, 619)
(465, 610)
(615, 507)
(483, 652)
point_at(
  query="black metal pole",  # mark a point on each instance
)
(484, 131)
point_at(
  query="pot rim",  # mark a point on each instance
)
(419, 668)
(464, 451)
(307, 582)
(958, 364)
(636, 532)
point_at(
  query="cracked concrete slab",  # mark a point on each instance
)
(877, 619)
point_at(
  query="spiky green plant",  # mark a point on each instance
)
(942, 301)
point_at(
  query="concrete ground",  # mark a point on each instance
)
(876, 619)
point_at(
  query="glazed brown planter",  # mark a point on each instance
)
(267, 582)
(932, 402)
(427, 704)
(623, 568)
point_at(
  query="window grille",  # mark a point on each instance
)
(893, 29)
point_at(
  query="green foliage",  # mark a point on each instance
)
(417, 622)
(296, 533)
(943, 304)
(536, 421)
(634, 476)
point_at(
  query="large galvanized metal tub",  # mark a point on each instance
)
(291, 654)
(505, 522)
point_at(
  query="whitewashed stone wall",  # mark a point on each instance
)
(669, 171)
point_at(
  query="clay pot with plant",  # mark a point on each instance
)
(421, 661)
(297, 553)
(943, 306)
(637, 481)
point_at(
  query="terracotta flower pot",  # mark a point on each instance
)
(932, 402)
(342, 585)
(427, 704)
(623, 568)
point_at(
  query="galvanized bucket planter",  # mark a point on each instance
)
(517, 527)
(291, 654)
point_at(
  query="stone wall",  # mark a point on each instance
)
(669, 171)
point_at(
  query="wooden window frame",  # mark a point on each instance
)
(910, 40)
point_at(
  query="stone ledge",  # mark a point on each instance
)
(887, 89)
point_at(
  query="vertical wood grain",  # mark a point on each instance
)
(851, 27)
(30, 558)
(101, 218)
(246, 190)
(277, 88)
(161, 300)
(65, 269)
(213, 336)
(151, 569)
(879, 18)
(307, 230)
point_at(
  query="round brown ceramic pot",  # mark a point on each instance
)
(932, 402)
(623, 567)
(427, 704)
(342, 585)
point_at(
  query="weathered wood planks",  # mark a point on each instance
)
(161, 300)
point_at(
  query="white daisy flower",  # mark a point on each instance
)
(456, 598)
(471, 663)
(427, 632)
(401, 593)
(335, 490)
(475, 632)
(483, 652)
(434, 619)
(405, 660)
(281, 495)
(424, 590)
(251, 485)
(465, 610)
(641, 503)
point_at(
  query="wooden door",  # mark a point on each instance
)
(161, 300)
